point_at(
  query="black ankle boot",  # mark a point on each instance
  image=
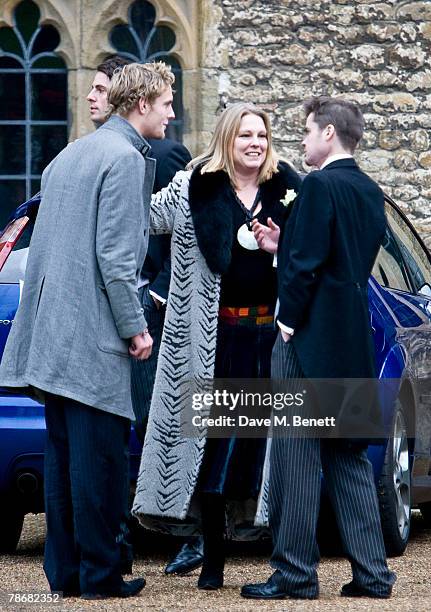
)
(210, 578)
(213, 524)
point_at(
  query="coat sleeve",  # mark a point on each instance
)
(120, 221)
(165, 203)
(175, 160)
(307, 246)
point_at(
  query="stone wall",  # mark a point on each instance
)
(277, 52)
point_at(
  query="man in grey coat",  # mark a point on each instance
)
(79, 321)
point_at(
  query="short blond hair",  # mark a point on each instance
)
(219, 153)
(135, 81)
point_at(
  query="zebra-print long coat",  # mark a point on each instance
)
(195, 210)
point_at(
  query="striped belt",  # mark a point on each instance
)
(249, 315)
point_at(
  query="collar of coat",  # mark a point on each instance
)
(121, 125)
(211, 200)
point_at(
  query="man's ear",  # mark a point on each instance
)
(143, 106)
(329, 131)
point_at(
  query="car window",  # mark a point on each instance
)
(24, 240)
(389, 269)
(413, 252)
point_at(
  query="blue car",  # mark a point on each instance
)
(400, 313)
(22, 420)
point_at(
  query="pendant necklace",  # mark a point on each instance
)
(245, 234)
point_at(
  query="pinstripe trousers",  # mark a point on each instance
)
(84, 485)
(294, 499)
(144, 372)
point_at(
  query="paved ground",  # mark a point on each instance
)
(23, 573)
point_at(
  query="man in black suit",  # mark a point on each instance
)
(325, 257)
(170, 156)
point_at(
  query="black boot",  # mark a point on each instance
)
(213, 524)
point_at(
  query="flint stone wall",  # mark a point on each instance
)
(278, 52)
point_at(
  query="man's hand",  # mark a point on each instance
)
(286, 337)
(141, 345)
(266, 237)
(157, 302)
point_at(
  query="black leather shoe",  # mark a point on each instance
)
(270, 590)
(263, 590)
(353, 590)
(189, 558)
(128, 589)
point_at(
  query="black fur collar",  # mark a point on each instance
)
(211, 201)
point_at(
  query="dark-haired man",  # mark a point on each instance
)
(325, 258)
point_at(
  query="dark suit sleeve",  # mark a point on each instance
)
(168, 165)
(306, 247)
(177, 158)
(160, 284)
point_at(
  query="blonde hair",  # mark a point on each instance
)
(219, 153)
(135, 81)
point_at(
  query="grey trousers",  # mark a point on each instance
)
(294, 499)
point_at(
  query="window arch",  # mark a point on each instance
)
(141, 40)
(33, 104)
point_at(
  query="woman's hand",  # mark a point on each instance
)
(266, 236)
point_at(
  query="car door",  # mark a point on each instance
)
(401, 320)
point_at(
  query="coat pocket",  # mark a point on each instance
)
(108, 339)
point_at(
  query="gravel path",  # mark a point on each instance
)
(23, 573)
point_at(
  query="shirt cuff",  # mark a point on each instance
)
(286, 329)
(274, 261)
(155, 295)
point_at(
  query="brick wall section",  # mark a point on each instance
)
(277, 52)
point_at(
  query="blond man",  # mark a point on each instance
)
(81, 300)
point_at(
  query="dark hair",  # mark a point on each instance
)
(345, 116)
(110, 65)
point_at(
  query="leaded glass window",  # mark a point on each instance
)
(141, 41)
(33, 105)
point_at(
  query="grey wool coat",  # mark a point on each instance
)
(171, 461)
(80, 303)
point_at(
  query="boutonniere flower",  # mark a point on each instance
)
(289, 196)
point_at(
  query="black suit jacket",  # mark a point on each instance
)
(325, 258)
(170, 156)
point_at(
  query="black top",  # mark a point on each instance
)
(251, 279)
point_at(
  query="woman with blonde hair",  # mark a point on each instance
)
(219, 324)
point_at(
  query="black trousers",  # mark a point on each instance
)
(294, 498)
(84, 496)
